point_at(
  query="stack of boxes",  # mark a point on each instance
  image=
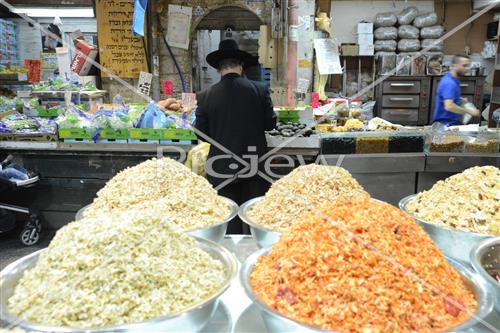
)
(8, 43)
(365, 39)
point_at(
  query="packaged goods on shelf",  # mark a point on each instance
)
(432, 45)
(425, 20)
(434, 64)
(403, 64)
(386, 33)
(408, 31)
(407, 15)
(418, 65)
(365, 28)
(409, 45)
(466, 201)
(385, 20)
(116, 269)
(326, 265)
(385, 45)
(300, 192)
(386, 64)
(433, 32)
(64, 83)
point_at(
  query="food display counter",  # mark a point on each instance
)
(237, 313)
(71, 173)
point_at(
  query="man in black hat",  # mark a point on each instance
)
(235, 113)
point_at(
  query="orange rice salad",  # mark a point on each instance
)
(361, 273)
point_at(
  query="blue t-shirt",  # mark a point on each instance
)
(448, 88)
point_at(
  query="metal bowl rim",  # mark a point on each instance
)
(402, 205)
(232, 270)
(242, 213)
(475, 258)
(234, 211)
(477, 284)
(233, 206)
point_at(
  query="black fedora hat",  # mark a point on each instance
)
(228, 48)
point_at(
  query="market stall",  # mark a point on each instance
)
(382, 208)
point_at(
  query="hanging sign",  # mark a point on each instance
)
(168, 87)
(119, 50)
(179, 26)
(327, 56)
(144, 85)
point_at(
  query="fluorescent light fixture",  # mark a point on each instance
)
(53, 12)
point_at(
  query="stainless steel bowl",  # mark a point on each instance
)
(262, 236)
(191, 319)
(79, 213)
(484, 257)
(276, 322)
(454, 243)
(215, 232)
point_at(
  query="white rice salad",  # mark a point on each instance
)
(116, 269)
(166, 188)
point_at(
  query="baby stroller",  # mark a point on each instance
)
(13, 178)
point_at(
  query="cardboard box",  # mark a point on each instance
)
(366, 50)
(86, 53)
(350, 49)
(365, 28)
(365, 39)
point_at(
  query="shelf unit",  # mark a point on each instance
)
(495, 92)
(354, 66)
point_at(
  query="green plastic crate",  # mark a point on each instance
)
(145, 133)
(181, 134)
(289, 116)
(52, 112)
(75, 133)
(114, 134)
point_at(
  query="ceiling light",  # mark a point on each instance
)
(53, 12)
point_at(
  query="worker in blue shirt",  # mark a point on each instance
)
(448, 110)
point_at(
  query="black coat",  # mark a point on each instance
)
(235, 112)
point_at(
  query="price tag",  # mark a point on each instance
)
(144, 85)
(22, 77)
(189, 100)
(303, 86)
(168, 87)
(24, 93)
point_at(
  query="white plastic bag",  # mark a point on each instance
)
(409, 45)
(403, 64)
(426, 20)
(436, 31)
(385, 45)
(408, 31)
(385, 20)
(386, 33)
(407, 15)
(432, 45)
